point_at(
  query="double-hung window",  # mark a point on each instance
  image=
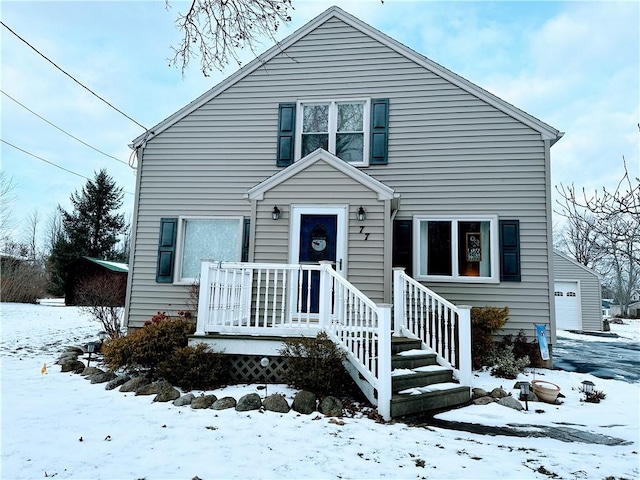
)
(458, 249)
(340, 127)
(206, 238)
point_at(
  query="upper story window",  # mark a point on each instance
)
(457, 249)
(340, 127)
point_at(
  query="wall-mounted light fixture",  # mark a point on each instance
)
(275, 213)
(362, 215)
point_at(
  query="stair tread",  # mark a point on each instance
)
(400, 372)
(436, 387)
(416, 352)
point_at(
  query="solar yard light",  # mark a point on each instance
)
(102, 336)
(264, 362)
(525, 389)
(588, 388)
(91, 347)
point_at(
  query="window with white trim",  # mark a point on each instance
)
(338, 126)
(458, 249)
(206, 238)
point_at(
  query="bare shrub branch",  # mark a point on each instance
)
(217, 30)
(101, 297)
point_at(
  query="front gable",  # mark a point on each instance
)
(382, 191)
(332, 17)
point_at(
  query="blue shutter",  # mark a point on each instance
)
(166, 250)
(286, 134)
(245, 240)
(510, 270)
(402, 251)
(379, 144)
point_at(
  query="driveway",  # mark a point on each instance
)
(615, 359)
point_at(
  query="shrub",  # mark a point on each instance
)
(315, 364)
(196, 367)
(506, 364)
(147, 347)
(523, 348)
(485, 323)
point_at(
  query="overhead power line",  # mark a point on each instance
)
(71, 76)
(63, 131)
(51, 163)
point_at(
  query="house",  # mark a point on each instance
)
(317, 173)
(578, 297)
(107, 279)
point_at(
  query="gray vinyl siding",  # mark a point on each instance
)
(590, 292)
(449, 153)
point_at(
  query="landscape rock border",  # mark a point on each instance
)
(304, 402)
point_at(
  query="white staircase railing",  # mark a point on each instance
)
(441, 326)
(276, 299)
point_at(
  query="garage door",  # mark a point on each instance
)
(567, 306)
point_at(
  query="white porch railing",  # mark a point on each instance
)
(276, 299)
(440, 325)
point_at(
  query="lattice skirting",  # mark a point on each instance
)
(247, 368)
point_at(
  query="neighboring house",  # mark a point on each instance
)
(633, 310)
(606, 308)
(341, 144)
(578, 296)
(111, 278)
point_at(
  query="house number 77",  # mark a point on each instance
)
(366, 235)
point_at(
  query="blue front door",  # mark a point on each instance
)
(318, 235)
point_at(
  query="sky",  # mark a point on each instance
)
(574, 65)
(60, 425)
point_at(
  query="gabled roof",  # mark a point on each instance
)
(547, 132)
(577, 264)
(383, 191)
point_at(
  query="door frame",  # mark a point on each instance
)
(342, 226)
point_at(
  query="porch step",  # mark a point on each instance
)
(402, 344)
(411, 359)
(403, 379)
(419, 384)
(429, 398)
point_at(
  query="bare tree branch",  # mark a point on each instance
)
(615, 215)
(603, 231)
(217, 30)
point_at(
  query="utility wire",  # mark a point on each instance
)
(51, 163)
(66, 133)
(70, 76)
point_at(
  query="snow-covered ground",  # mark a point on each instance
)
(58, 424)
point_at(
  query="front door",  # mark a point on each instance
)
(318, 234)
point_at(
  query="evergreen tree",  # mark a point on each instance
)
(90, 229)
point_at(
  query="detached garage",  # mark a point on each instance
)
(578, 298)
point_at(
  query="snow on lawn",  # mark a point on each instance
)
(58, 424)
